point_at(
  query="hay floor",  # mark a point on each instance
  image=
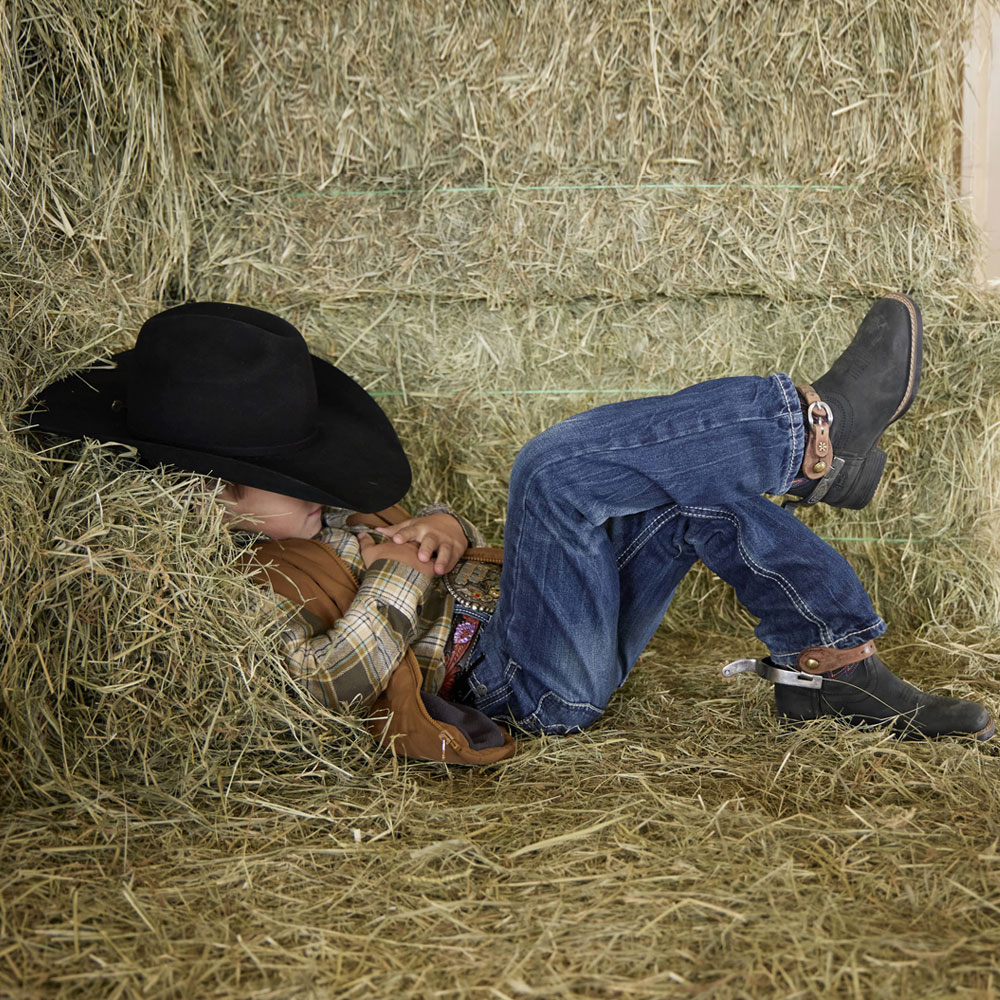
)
(686, 846)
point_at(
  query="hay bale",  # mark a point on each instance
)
(136, 648)
(506, 245)
(131, 131)
(429, 94)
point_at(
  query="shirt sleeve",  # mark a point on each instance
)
(348, 665)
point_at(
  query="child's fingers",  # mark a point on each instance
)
(448, 554)
(432, 540)
(429, 544)
(401, 524)
(446, 559)
(407, 531)
(442, 550)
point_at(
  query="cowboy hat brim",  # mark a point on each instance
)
(354, 460)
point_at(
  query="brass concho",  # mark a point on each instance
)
(475, 585)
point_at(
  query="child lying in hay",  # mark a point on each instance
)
(607, 512)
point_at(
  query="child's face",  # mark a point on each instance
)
(273, 513)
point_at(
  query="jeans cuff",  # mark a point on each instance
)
(845, 641)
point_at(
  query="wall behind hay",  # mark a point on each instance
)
(493, 214)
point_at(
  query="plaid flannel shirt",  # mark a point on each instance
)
(396, 608)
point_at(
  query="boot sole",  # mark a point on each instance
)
(988, 733)
(916, 352)
(902, 732)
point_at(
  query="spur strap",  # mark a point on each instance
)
(818, 455)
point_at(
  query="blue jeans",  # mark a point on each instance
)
(609, 509)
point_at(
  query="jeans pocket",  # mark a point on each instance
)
(480, 688)
(554, 714)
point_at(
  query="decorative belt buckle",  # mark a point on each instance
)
(474, 585)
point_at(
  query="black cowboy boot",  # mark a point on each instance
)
(871, 385)
(869, 694)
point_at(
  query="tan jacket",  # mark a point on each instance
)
(404, 718)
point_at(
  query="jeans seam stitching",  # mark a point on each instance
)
(538, 714)
(789, 469)
(851, 635)
(798, 602)
(644, 537)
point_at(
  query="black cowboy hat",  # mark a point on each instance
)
(228, 391)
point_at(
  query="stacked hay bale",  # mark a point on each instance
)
(493, 216)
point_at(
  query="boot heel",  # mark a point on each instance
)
(795, 705)
(858, 480)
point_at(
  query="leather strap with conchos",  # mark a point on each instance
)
(818, 455)
(821, 659)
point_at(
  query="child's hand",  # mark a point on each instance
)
(440, 537)
(371, 551)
